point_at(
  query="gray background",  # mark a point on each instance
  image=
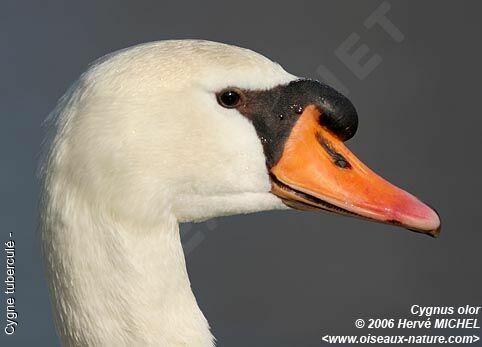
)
(277, 278)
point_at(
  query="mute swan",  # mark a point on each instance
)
(180, 131)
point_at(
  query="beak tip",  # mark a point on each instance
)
(436, 232)
(434, 229)
(432, 232)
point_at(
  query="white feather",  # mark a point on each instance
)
(140, 144)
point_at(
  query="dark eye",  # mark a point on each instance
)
(229, 98)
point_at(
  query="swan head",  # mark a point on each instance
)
(202, 129)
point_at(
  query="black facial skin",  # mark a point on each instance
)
(274, 112)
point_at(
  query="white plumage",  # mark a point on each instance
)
(139, 144)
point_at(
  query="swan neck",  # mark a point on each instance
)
(114, 284)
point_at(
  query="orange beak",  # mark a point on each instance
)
(317, 171)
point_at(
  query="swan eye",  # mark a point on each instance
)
(229, 98)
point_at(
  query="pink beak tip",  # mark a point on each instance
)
(431, 225)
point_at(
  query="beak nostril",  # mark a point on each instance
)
(341, 162)
(338, 159)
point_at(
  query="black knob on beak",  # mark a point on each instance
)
(338, 113)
